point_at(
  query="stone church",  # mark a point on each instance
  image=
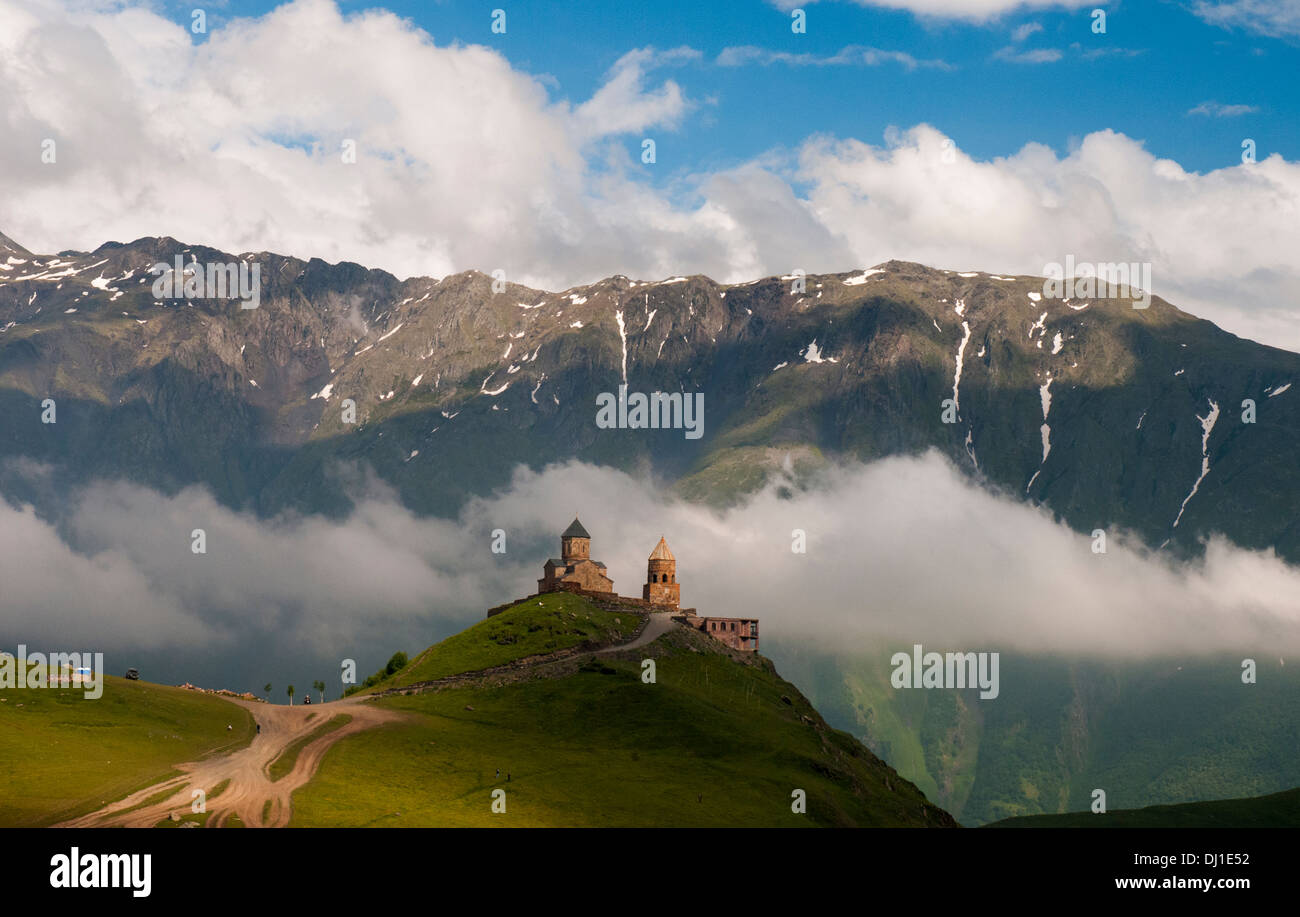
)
(575, 571)
(574, 566)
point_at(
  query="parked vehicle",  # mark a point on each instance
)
(133, 674)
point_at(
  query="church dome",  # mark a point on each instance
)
(661, 551)
(575, 530)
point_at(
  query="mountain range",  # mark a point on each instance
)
(1108, 416)
(1111, 416)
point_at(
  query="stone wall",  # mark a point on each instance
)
(599, 598)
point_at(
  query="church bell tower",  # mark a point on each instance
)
(661, 586)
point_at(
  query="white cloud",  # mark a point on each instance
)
(1030, 56)
(466, 162)
(1217, 110)
(462, 160)
(970, 10)
(1024, 31)
(905, 549)
(1274, 18)
(850, 55)
(1108, 196)
(622, 104)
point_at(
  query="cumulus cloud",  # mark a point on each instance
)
(464, 161)
(623, 103)
(1107, 200)
(904, 550)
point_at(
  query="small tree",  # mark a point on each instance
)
(396, 663)
(268, 691)
(290, 695)
(320, 689)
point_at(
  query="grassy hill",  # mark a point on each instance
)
(1279, 810)
(545, 624)
(63, 755)
(720, 739)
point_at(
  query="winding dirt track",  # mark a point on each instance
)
(250, 785)
(659, 623)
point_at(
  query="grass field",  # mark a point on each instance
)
(283, 765)
(713, 742)
(544, 624)
(63, 755)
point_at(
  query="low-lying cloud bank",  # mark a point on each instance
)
(905, 550)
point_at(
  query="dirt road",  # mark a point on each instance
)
(250, 785)
(659, 624)
(247, 770)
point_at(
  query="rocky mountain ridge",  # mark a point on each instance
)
(1109, 415)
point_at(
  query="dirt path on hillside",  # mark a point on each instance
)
(659, 624)
(247, 770)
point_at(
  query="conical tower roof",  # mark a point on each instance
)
(575, 530)
(661, 551)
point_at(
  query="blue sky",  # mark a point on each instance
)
(1157, 61)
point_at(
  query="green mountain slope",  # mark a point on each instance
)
(719, 739)
(456, 381)
(62, 755)
(1279, 810)
(1151, 732)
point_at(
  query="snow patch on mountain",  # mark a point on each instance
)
(860, 279)
(622, 334)
(1040, 326)
(958, 362)
(1207, 425)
